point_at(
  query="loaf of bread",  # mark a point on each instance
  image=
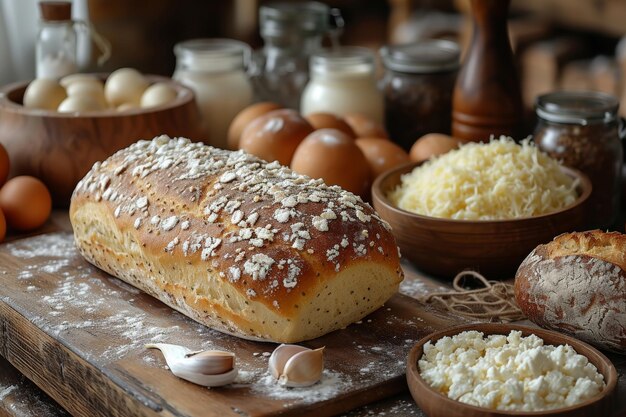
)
(243, 246)
(576, 284)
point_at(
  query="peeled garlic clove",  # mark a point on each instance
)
(280, 356)
(210, 368)
(303, 369)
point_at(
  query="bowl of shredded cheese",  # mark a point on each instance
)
(503, 370)
(482, 206)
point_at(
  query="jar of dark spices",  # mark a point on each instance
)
(417, 85)
(581, 129)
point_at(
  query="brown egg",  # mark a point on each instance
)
(333, 156)
(432, 144)
(275, 135)
(4, 165)
(26, 203)
(3, 226)
(329, 121)
(364, 127)
(382, 154)
(244, 118)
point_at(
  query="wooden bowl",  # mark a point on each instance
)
(444, 247)
(435, 404)
(59, 148)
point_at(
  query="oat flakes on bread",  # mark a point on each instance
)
(576, 284)
(241, 245)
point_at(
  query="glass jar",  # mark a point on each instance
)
(581, 129)
(56, 41)
(417, 85)
(291, 33)
(343, 81)
(215, 70)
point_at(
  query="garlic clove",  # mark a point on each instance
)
(303, 369)
(212, 362)
(208, 380)
(210, 368)
(280, 356)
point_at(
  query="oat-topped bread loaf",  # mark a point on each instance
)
(244, 246)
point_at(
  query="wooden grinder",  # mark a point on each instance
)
(487, 98)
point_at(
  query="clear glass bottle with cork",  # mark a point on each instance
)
(56, 41)
(291, 32)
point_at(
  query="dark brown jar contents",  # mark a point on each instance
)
(580, 128)
(417, 86)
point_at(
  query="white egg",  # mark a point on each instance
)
(79, 104)
(91, 89)
(157, 94)
(78, 77)
(126, 106)
(126, 85)
(43, 93)
(80, 88)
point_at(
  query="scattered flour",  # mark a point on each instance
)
(55, 245)
(4, 391)
(401, 408)
(331, 384)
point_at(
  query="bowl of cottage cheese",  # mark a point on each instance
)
(503, 370)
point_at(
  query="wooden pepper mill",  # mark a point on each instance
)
(487, 99)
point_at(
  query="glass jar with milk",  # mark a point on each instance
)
(343, 81)
(215, 70)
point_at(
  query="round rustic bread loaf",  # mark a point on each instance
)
(576, 284)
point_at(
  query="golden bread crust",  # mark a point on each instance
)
(241, 245)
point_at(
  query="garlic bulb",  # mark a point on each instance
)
(211, 368)
(296, 366)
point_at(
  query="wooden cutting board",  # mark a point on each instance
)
(79, 334)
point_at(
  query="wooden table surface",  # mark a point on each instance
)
(21, 398)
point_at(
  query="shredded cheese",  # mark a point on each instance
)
(487, 181)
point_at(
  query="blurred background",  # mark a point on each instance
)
(559, 44)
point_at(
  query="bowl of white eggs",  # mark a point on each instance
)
(56, 130)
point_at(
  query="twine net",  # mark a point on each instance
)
(492, 301)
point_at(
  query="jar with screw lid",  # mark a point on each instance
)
(582, 130)
(343, 81)
(215, 70)
(417, 85)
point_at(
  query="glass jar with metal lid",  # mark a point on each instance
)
(291, 33)
(417, 85)
(581, 129)
(343, 81)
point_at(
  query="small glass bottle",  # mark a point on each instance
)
(291, 33)
(215, 70)
(581, 129)
(343, 81)
(418, 84)
(56, 41)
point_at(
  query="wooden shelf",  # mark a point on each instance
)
(602, 16)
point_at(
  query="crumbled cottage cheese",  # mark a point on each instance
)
(508, 372)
